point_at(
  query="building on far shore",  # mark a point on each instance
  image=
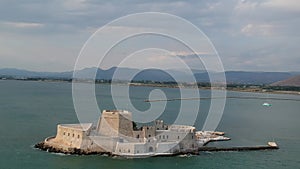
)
(115, 134)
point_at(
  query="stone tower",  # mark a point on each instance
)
(115, 123)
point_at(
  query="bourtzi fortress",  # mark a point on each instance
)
(116, 134)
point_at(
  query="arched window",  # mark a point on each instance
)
(150, 149)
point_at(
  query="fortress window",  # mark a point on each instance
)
(167, 136)
(159, 136)
(149, 135)
(78, 136)
(64, 133)
(163, 136)
(68, 134)
(192, 137)
(178, 137)
(137, 151)
(119, 150)
(138, 136)
(128, 150)
(73, 135)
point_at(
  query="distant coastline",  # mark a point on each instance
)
(252, 88)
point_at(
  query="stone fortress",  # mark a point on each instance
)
(116, 134)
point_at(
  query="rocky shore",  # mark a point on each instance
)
(74, 151)
(49, 148)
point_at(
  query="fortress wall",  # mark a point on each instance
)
(187, 139)
(189, 142)
(68, 137)
(167, 135)
(132, 148)
(140, 148)
(108, 125)
(103, 143)
(167, 147)
(159, 125)
(149, 131)
(124, 148)
(140, 135)
(115, 123)
(125, 124)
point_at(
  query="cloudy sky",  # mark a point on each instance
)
(250, 35)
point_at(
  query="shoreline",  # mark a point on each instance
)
(74, 151)
(258, 88)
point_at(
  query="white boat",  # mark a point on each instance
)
(267, 104)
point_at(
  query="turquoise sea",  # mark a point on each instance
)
(30, 111)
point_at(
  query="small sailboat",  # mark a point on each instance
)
(267, 104)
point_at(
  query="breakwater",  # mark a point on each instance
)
(269, 146)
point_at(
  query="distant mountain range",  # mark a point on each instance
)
(19, 73)
(293, 81)
(237, 77)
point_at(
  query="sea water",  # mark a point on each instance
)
(30, 111)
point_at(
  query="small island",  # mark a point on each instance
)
(116, 134)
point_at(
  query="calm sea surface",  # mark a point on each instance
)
(30, 111)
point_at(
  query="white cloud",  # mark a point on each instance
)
(186, 54)
(268, 5)
(24, 24)
(246, 6)
(258, 30)
(289, 5)
(74, 4)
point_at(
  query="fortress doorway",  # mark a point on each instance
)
(150, 149)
